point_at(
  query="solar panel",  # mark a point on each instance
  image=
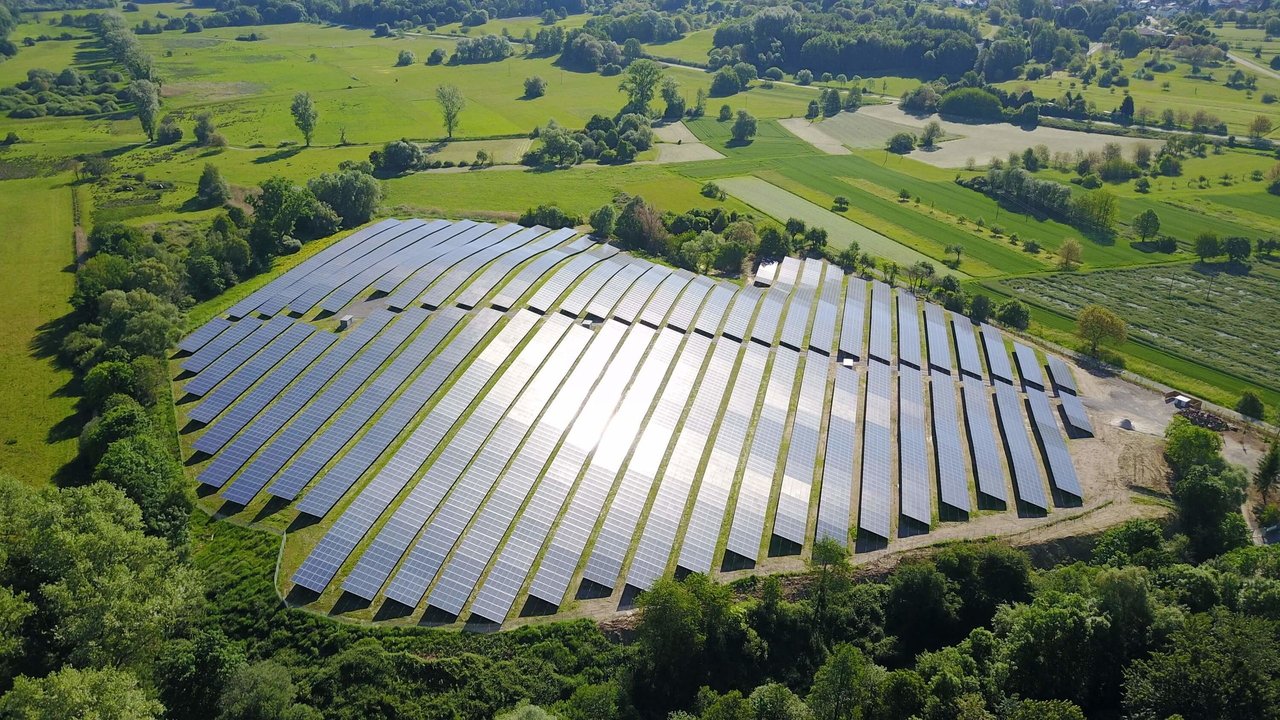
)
(604, 301)
(424, 242)
(741, 312)
(359, 517)
(1028, 366)
(713, 312)
(953, 481)
(502, 492)
(664, 298)
(612, 439)
(797, 320)
(967, 347)
(822, 338)
(877, 454)
(459, 235)
(505, 265)
(853, 324)
(400, 530)
(1056, 457)
(1062, 378)
(1077, 418)
(982, 439)
(909, 330)
(634, 300)
(832, 285)
(697, 551)
(590, 284)
(250, 303)
(690, 300)
(838, 464)
(788, 272)
(747, 529)
(792, 517)
(881, 321)
(225, 340)
(354, 417)
(997, 356)
(203, 335)
(667, 512)
(766, 326)
(231, 360)
(613, 541)
(766, 273)
(218, 434)
(913, 452)
(248, 407)
(935, 326)
(811, 273)
(251, 372)
(512, 567)
(460, 274)
(319, 409)
(413, 287)
(557, 284)
(540, 266)
(1027, 477)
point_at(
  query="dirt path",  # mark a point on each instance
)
(1251, 65)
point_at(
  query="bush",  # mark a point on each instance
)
(804, 77)
(436, 57)
(168, 133)
(971, 103)
(534, 87)
(548, 216)
(1014, 314)
(901, 143)
(406, 58)
(212, 190)
(397, 156)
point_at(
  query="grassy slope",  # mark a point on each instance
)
(36, 411)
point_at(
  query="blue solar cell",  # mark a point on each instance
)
(535, 270)
(997, 355)
(228, 392)
(838, 465)
(1077, 418)
(225, 340)
(791, 519)
(853, 324)
(741, 312)
(935, 324)
(1057, 459)
(913, 453)
(909, 330)
(1062, 378)
(203, 335)
(765, 328)
(986, 453)
(881, 321)
(949, 448)
(1027, 476)
(505, 265)
(877, 455)
(230, 361)
(1028, 366)
(967, 347)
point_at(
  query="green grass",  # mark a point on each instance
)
(692, 48)
(37, 413)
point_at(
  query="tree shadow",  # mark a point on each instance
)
(283, 153)
(737, 143)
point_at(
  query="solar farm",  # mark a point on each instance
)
(487, 421)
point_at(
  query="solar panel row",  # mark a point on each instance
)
(589, 286)
(838, 465)
(407, 294)
(633, 301)
(913, 452)
(540, 266)
(997, 356)
(948, 445)
(558, 283)
(318, 409)
(428, 241)
(740, 313)
(460, 235)
(355, 416)
(985, 452)
(1027, 477)
(203, 335)
(1062, 378)
(1028, 366)
(967, 347)
(909, 330)
(792, 517)
(766, 273)
(811, 273)
(355, 522)
(683, 313)
(935, 325)
(796, 324)
(225, 340)
(238, 355)
(697, 551)
(251, 372)
(765, 328)
(505, 265)
(853, 324)
(217, 435)
(788, 272)
(717, 306)
(881, 321)
(877, 453)
(665, 297)
(1077, 418)
(605, 300)
(1057, 459)
(448, 284)
(747, 527)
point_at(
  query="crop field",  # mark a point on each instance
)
(517, 413)
(37, 408)
(1204, 314)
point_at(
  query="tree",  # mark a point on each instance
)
(840, 202)
(1014, 314)
(980, 308)
(931, 133)
(725, 113)
(75, 693)
(1207, 245)
(211, 189)
(145, 470)
(603, 220)
(1146, 224)
(169, 131)
(840, 686)
(451, 102)
(406, 58)
(1187, 446)
(1259, 127)
(1267, 475)
(353, 195)
(744, 127)
(397, 156)
(206, 132)
(1237, 248)
(641, 85)
(305, 115)
(669, 635)
(1070, 254)
(145, 96)
(725, 82)
(901, 143)
(534, 87)
(1097, 325)
(921, 607)
(261, 691)
(1053, 647)
(1250, 405)
(1126, 108)
(775, 701)
(815, 239)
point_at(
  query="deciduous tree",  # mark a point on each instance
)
(452, 103)
(305, 115)
(1097, 325)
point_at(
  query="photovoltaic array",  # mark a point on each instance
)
(509, 418)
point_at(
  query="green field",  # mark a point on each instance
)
(38, 423)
